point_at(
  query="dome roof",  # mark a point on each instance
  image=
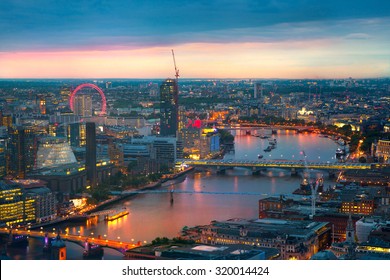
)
(324, 255)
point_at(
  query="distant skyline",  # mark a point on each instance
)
(212, 39)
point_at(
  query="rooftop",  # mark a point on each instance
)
(29, 183)
(203, 251)
(268, 228)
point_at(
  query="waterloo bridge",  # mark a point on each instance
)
(256, 166)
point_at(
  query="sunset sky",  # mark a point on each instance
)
(211, 39)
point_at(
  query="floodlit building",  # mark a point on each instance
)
(364, 226)
(53, 152)
(294, 239)
(45, 203)
(3, 162)
(83, 105)
(14, 208)
(383, 150)
(71, 178)
(200, 143)
(358, 206)
(76, 133)
(21, 152)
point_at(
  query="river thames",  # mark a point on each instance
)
(153, 215)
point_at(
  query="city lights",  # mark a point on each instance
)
(270, 143)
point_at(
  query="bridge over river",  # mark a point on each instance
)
(118, 245)
(256, 165)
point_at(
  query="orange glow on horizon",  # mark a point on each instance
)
(297, 59)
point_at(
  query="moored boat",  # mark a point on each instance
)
(17, 240)
(117, 216)
(340, 153)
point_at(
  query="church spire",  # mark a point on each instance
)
(350, 232)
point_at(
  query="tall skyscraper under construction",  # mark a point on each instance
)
(169, 108)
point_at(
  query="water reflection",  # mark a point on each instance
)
(34, 251)
(153, 215)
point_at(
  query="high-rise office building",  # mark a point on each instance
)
(83, 105)
(41, 102)
(161, 152)
(90, 161)
(259, 98)
(21, 152)
(3, 162)
(65, 93)
(44, 203)
(76, 134)
(258, 91)
(6, 120)
(15, 208)
(199, 143)
(169, 108)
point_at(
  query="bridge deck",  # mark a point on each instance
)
(279, 164)
(115, 244)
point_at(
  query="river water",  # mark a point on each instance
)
(153, 215)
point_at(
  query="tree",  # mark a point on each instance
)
(164, 169)
(225, 136)
(160, 240)
(131, 166)
(362, 160)
(346, 130)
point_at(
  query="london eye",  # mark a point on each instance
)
(87, 85)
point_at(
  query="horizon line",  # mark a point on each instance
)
(228, 78)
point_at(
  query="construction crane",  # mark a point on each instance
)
(176, 70)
